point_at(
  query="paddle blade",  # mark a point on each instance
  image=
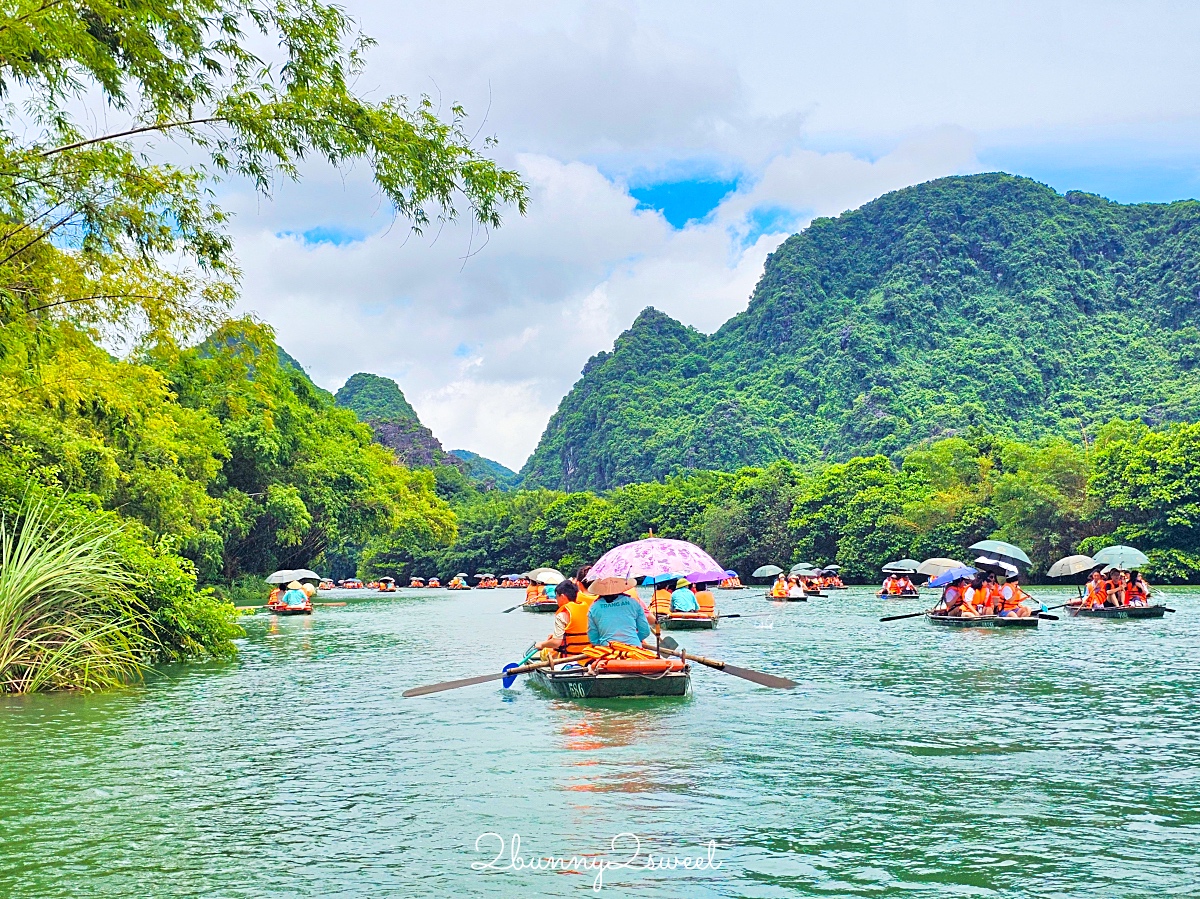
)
(510, 679)
(760, 677)
(451, 685)
(513, 609)
(902, 617)
(1045, 617)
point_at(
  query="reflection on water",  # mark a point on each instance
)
(1057, 762)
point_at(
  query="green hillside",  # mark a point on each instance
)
(487, 470)
(373, 398)
(983, 301)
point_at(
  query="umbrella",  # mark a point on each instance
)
(706, 577)
(546, 576)
(934, 567)
(287, 575)
(729, 572)
(1000, 548)
(654, 555)
(767, 571)
(952, 575)
(902, 566)
(803, 568)
(999, 566)
(833, 567)
(1071, 565)
(655, 579)
(1124, 557)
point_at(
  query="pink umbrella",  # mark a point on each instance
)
(655, 555)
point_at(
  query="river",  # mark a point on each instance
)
(913, 760)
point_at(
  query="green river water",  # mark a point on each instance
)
(913, 761)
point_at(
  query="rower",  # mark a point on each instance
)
(570, 622)
(684, 598)
(1097, 591)
(794, 590)
(535, 592)
(615, 616)
(891, 585)
(952, 597)
(1010, 598)
(779, 590)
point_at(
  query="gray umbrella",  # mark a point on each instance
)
(767, 571)
(1125, 558)
(287, 575)
(1071, 565)
(902, 566)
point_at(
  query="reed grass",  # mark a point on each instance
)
(68, 619)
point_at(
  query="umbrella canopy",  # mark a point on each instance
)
(952, 575)
(729, 572)
(767, 571)
(995, 548)
(287, 575)
(391, 580)
(934, 567)
(1072, 565)
(803, 568)
(902, 566)
(1124, 557)
(997, 566)
(546, 576)
(706, 577)
(833, 567)
(654, 555)
(655, 579)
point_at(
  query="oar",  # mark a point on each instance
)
(741, 615)
(330, 603)
(902, 617)
(513, 609)
(669, 645)
(484, 678)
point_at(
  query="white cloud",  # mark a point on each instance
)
(818, 107)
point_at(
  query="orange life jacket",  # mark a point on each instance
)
(1134, 592)
(662, 602)
(779, 588)
(532, 591)
(575, 636)
(952, 597)
(1014, 598)
(707, 602)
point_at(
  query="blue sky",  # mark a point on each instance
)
(670, 146)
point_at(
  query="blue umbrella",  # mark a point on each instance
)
(662, 578)
(951, 576)
(729, 572)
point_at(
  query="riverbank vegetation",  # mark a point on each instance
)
(1133, 484)
(196, 461)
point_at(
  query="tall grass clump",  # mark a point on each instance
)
(68, 618)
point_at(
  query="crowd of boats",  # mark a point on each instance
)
(608, 636)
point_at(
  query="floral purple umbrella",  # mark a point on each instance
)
(654, 555)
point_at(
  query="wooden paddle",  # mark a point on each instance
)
(741, 615)
(330, 603)
(902, 617)
(669, 645)
(513, 609)
(484, 678)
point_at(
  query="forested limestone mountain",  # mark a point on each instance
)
(487, 471)
(983, 301)
(380, 403)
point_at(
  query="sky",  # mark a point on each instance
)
(669, 148)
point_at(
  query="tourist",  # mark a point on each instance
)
(779, 590)
(794, 590)
(1010, 599)
(615, 616)
(1137, 591)
(570, 621)
(683, 599)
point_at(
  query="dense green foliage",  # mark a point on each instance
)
(373, 398)
(1053, 498)
(199, 464)
(984, 301)
(487, 471)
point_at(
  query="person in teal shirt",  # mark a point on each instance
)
(683, 599)
(615, 616)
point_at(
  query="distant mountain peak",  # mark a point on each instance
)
(375, 398)
(487, 470)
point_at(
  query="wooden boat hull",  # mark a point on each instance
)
(785, 598)
(1121, 612)
(985, 621)
(548, 606)
(816, 595)
(576, 683)
(307, 611)
(896, 595)
(677, 623)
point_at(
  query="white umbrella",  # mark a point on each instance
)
(934, 567)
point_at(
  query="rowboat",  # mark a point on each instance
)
(1118, 612)
(742, 587)
(689, 621)
(990, 621)
(578, 683)
(882, 595)
(542, 605)
(816, 595)
(281, 609)
(785, 598)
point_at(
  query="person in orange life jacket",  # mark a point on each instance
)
(705, 599)
(1010, 598)
(891, 585)
(616, 616)
(779, 590)
(952, 597)
(570, 621)
(1137, 591)
(974, 599)
(1097, 591)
